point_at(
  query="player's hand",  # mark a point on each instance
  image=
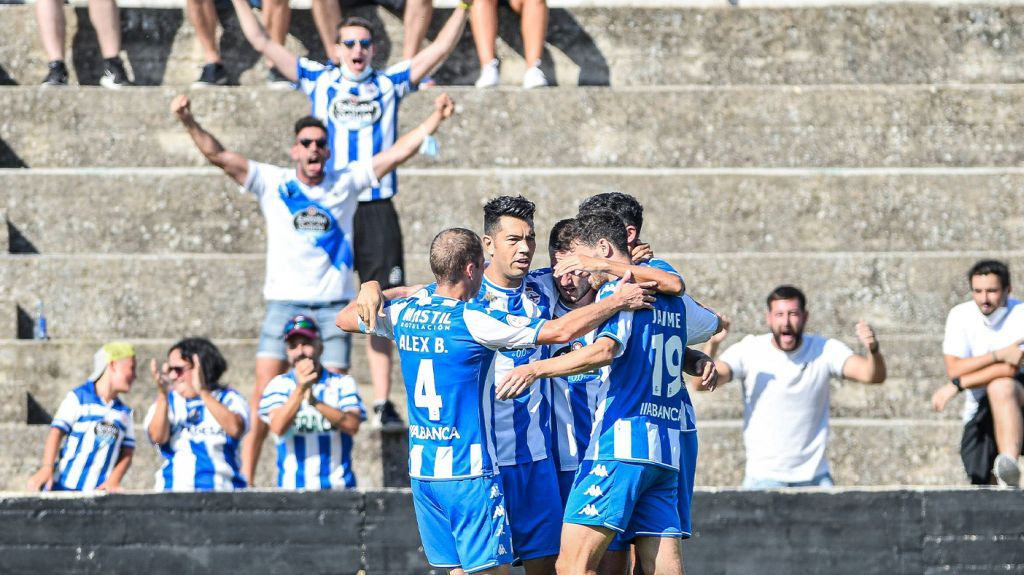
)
(579, 265)
(370, 304)
(516, 382)
(708, 373)
(444, 105)
(41, 480)
(723, 330)
(181, 107)
(198, 377)
(633, 296)
(1011, 354)
(866, 335)
(942, 396)
(641, 253)
(305, 372)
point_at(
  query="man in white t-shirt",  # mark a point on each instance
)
(309, 213)
(982, 352)
(785, 376)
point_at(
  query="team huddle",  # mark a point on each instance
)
(548, 415)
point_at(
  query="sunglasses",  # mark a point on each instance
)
(365, 43)
(320, 143)
(177, 370)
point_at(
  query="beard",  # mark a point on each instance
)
(798, 339)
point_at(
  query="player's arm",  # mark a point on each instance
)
(235, 165)
(124, 461)
(587, 358)
(664, 282)
(628, 295)
(700, 365)
(711, 350)
(407, 146)
(444, 43)
(43, 479)
(252, 29)
(369, 305)
(870, 367)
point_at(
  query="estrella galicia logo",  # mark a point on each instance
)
(353, 113)
(312, 220)
(106, 432)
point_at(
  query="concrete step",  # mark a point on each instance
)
(220, 296)
(862, 453)
(175, 210)
(619, 44)
(692, 127)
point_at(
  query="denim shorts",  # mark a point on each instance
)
(337, 344)
(823, 480)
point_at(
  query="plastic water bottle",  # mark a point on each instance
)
(39, 330)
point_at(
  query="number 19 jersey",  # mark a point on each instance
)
(447, 349)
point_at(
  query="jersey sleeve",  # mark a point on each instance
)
(836, 353)
(501, 330)
(955, 341)
(356, 176)
(67, 413)
(663, 266)
(236, 404)
(733, 357)
(701, 323)
(619, 326)
(274, 396)
(129, 434)
(386, 325)
(256, 180)
(401, 76)
(308, 71)
(345, 396)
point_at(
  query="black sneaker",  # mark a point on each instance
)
(277, 81)
(213, 75)
(114, 76)
(56, 74)
(385, 417)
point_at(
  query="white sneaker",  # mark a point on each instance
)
(489, 77)
(534, 78)
(1007, 471)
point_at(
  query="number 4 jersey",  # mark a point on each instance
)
(447, 349)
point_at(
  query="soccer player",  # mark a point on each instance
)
(359, 106)
(101, 437)
(628, 482)
(447, 345)
(309, 211)
(196, 422)
(314, 414)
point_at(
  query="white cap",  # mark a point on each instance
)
(109, 352)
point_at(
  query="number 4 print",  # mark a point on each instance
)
(425, 395)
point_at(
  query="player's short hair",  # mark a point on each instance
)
(591, 227)
(993, 267)
(787, 292)
(514, 207)
(624, 205)
(562, 235)
(451, 251)
(213, 363)
(308, 122)
(350, 22)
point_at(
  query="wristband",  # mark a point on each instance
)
(956, 383)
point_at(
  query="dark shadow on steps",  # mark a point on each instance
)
(36, 414)
(147, 35)
(24, 324)
(17, 243)
(6, 79)
(8, 158)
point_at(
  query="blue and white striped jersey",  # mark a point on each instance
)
(447, 349)
(361, 116)
(522, 425)
(96, 431)
(200, 456)
(641, 412)
(312, 454)
(701, 323)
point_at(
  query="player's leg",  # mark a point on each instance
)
(582, 548)
(479, 523)
(534, 513)
(271, 361)
(660, 555)
(655, 524)
(616, 558)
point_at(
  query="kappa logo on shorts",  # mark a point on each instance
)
(594, 491)
(499, 511)
(589, 510)
(599, 470)
(501, 549)
(501, 530)
(495, 492)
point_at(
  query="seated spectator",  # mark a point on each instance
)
(982, 354)
(195, 421)
(314, 414)
(106, 19)
(533, 27)
(101, 438)
(785, 376)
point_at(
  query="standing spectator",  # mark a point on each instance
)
(982, 355)
(101, 438)
(314, 414)
(309, 211)
(106, 19)
(359, 105)
(203, 16)
(197, 423)
(785, 376)
(533, 16)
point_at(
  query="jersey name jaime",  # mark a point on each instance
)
(200, 455)
(361, 117)
(96, 430)
(312, 454)
(641, 412)
(447, 349)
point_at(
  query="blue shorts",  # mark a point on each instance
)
(534, 508)
(565, 481)
(687, 471)
(463, 523)
(337, 344)
(634, 499)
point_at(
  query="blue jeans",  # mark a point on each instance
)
(823, 480)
